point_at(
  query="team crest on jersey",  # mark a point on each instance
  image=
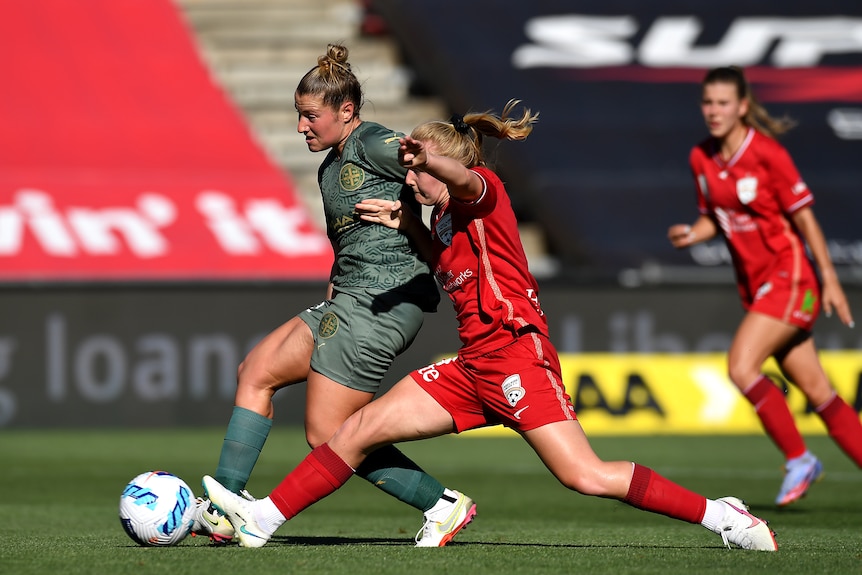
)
(746, 189)
(351, 177)
(763, 290)
(328, 325)
(512, 389)
(443, 229)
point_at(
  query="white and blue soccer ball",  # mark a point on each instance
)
(157, 509)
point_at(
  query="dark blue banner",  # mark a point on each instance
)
(617, 84)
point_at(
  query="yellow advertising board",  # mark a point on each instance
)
(628, 394)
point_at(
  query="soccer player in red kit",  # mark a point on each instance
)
(506, 372)
(750, 191)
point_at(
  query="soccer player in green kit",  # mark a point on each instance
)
(342, 347)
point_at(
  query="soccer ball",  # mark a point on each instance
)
(157, 508)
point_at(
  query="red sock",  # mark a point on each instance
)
(774, 414)
(844, 427)
(319, 474)
(652, 492)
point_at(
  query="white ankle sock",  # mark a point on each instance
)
(266, 515)
(714, 512)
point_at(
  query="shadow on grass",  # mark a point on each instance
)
(766, 511)
(323, 541)
(328, 540)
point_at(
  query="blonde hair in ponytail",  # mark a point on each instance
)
(461, 138)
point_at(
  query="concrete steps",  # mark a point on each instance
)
(258, 50)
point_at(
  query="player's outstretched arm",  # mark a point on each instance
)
(833, 294)
(684, 235)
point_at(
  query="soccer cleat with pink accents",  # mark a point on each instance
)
(210, 523)
(799, 474)
(741, 528)
(238, 510)
(441, 526)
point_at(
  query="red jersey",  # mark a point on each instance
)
(751, 197)
(480, 262)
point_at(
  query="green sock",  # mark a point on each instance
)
(393, 472)
(246, 433)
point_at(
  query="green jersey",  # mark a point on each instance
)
(371, 256)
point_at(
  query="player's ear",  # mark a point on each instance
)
(347, 111)
(744, 106)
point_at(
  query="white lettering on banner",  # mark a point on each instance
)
(230, 229)
(641, 327)
(277, 226)
(583, 41)
(577, 41)
(715, 252)
(635, 332)
(36, 209)
(55, 357)
(711, 253)
(82, 229)
(156, 375)
(204, 351)
(8, 403)
(139, 227)
(845, 251)
(846, 122)
(101, 368)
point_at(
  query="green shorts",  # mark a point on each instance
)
(357, 335)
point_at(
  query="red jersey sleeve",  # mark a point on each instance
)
(484, 204)
(791, 191)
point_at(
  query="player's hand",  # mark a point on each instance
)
(384, 212)
(411, 153)
(834, 300)
(680, 235)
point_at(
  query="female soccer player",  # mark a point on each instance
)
(378, 293)
(750, 191)
(507, 371)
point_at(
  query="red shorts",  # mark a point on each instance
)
(796, 302)
(519, 386)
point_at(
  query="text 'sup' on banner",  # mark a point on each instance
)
(617, 87)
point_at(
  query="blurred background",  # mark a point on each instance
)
(159, 212)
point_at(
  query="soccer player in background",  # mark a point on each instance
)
(378, 293)
(749, 190)
(506, 372)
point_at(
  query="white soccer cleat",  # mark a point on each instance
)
(210, 523)
(743, 529)
(238, 511)
(441, 526)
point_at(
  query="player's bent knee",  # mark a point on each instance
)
(741, 376)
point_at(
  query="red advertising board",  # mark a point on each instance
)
(121, 159)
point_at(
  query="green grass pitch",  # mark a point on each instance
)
(59, 492)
